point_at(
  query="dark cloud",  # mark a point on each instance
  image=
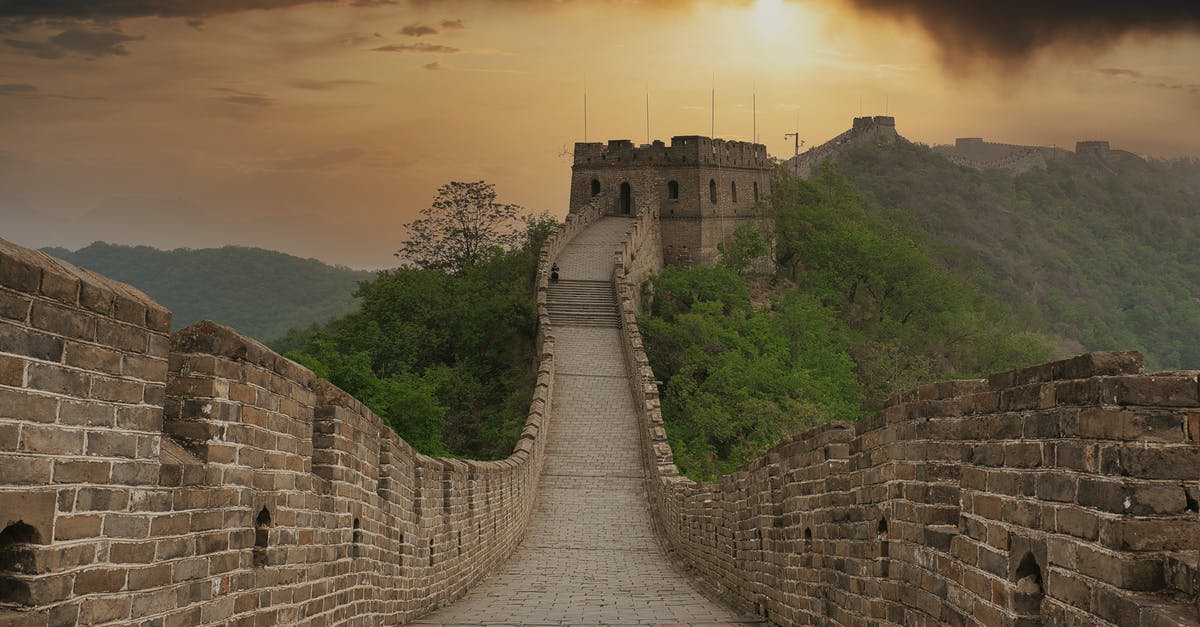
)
(1011, 32)
(434, 66)
(354, 39)
(418, 30)
(104, 10)
(1117, 72)
(245, 98)
(17, 89)
(1134, 77)
(326, 85)
(41, 50)
(453, 24)
(90, 44)
(422, 48)
(32, 92)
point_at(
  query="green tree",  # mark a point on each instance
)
(748, 245)
(463, 224)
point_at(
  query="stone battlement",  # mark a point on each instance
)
(200, 478)
(1064, 493)
(684, 150)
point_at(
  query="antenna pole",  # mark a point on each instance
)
(647, 114)
(585, 117)
(754, 108)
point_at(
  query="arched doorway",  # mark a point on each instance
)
(626, 203)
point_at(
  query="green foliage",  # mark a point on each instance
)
(747, 246)
(1106, 254)
(462, 226)
(737, 380)
(860, 312)
(447, 358)
(259, 292)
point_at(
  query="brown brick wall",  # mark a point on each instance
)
(1065, 493)
(138, 472)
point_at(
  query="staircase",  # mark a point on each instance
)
(575, 303)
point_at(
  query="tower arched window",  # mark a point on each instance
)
(595, 187)
(733, 190)
(755, 191)
(712, 190)
(673, 190)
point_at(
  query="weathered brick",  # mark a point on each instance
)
(12, 371)
(59, 320)
(58, 380)
(116, 390)
(122, 336)
(92, 357)
(131, 553)
(23, 470)
(144, 367)
(19, 274)
(1122, 571)
(99, 580)
(1167, 462)
(77, 527)
(145, 578)
(14, 306)
(81, 471)
(112, 444)
(126, 526)
(99, 610)
(60, 286)
(1080, 523)
(51, 440)
(1104, 495)
(101, 499)
(20, 340)
(86, 413)
(1159, 391)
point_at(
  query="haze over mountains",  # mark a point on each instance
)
(260, 292)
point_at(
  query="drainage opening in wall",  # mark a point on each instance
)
(881, 532)
(1027, 599)
(16, 559)
(262, 533)
(356, 539)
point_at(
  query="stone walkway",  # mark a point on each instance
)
(590, 556)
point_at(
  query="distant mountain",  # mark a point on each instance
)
(262, 293)
(1101, 247)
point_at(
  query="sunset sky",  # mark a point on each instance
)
(320, 128)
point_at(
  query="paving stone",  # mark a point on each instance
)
(590, 555)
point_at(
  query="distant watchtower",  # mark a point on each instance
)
(701, 188)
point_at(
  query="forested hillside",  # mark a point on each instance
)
(856, 310)
(1105, 252)
(259, 292)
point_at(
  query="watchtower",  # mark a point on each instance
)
(701, 188)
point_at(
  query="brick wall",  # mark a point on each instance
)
(199, 478)
(1065, 493)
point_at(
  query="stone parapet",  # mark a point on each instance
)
(200, 478)
(1063, 493)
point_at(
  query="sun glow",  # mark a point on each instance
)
(770, 16)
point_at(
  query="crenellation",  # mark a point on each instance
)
(202, 478)
(1062, 492)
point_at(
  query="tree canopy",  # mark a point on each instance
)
(463, 224)
(856, 311)
(444, 352)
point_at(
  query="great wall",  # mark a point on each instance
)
(197, 478)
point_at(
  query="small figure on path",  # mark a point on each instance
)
(554, 273)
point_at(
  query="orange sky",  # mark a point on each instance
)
(321, 129)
